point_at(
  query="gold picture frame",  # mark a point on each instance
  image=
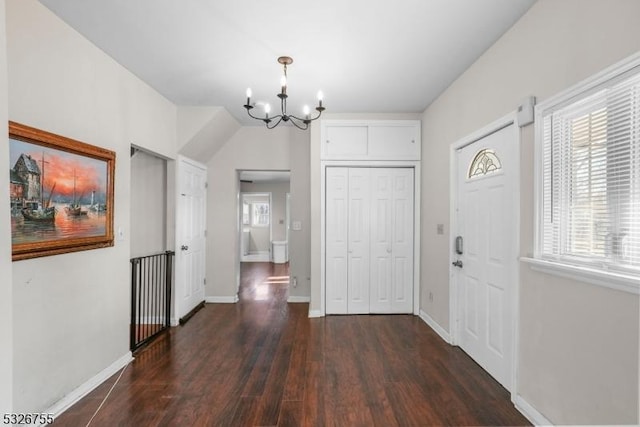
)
(61, 193)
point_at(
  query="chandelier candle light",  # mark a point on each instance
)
(272, 122)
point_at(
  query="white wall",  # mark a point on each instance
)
(578, 350)
(6, 307)
(148, 204)
(71, 312)
(300, 205)
(202, 131)
(251, 148)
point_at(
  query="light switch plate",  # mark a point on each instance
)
(297, 225)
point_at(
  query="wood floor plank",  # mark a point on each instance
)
(290, 413)
(263, 362)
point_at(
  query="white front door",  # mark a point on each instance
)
(487, 254)
(190, 235)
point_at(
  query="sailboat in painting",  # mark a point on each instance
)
(74, 209)
(40, 214)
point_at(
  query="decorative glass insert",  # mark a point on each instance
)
(484, 163)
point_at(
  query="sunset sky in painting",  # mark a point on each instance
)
(91, 174)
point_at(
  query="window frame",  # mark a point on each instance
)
(602, 276)
(246, 213)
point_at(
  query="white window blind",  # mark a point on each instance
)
(591, 177)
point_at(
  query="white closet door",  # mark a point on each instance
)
(392, 240)
(358, 250)
(381, 239)
(369, 240)
(402, 246)
(337, 204)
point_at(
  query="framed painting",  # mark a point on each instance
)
(61, 193)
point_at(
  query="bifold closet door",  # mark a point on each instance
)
(336, 246)
(391, 272)
(369, 240)
(358, 240)
(347, 240)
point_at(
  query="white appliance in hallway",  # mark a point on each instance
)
(485, 251)
(279, 251)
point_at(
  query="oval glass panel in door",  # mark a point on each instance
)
(484, 163)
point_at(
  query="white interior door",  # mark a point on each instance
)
(486, 267)
(381, 240)
(190, 235)
(358, 237)
(392, 240)
(336, 236)
(402, 244)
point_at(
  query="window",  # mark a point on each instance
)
(260, 214)
(484, 163)
(588, 151)
(246, 220)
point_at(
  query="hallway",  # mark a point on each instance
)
(263, 362)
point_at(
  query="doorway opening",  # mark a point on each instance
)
(151, 260)
(263, 234)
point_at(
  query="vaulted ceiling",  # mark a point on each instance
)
(367, 56)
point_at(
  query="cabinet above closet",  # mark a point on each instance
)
(370, 140)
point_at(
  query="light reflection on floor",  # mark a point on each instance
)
(262, 281)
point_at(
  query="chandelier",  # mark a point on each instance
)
(273, 121)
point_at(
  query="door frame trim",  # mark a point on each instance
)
(417, 178)
(510, 119)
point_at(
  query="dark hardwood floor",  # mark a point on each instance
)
(263, 362)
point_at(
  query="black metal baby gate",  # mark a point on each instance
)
(150, 297)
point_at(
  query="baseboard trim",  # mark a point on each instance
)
(315, 313)
(190, 314)
(75, 395)
(261, 256)
(434, 325)
(530, 412)
(221, 300)
(296, 298)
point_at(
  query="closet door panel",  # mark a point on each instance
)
(403, 238)
(381, 239)
(359, 240)
(336, 245)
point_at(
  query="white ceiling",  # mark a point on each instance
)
(367, 56)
